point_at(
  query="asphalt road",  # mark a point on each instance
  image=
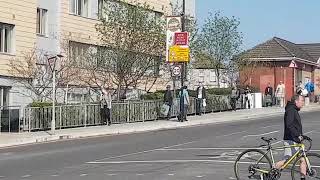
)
(203, 152)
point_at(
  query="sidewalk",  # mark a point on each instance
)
(16, 139)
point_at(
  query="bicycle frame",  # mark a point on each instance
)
(286, 164)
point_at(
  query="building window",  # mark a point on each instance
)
(79, 7)
(212, 77)
(6, 37)
(42, 21)
(82, 54)
(100, 8)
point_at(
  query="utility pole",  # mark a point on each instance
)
(183, 28)
(183, 66)
(53, 68)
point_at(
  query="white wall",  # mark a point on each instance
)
(207, 77)
(50, 44)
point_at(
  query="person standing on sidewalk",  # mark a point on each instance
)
(248, 97)
(168, 100)
(235, 95)
(280, 93)
(106, 103)
(269, 95)
(293, 132)
(201, 96)
(184, 103)
(299, 88)
(310, 88)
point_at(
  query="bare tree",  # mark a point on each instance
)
(133, 41)
(32, 75)
(33, 72)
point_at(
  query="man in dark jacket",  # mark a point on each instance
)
(168, 100)
(293, 131)
(268, 95)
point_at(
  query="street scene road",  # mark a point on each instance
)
(202, 152)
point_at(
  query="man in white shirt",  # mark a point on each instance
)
(201, 96)
(280, 93)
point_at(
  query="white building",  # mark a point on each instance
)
(43, 24)
(208, 77)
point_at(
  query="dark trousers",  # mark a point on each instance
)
(183, 113)
(106, 115)
(199, 103)
(234, 104)
(169, 112)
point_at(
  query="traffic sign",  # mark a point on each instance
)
(179, 54)
(181, 38)
(293, 64)
(176, 70)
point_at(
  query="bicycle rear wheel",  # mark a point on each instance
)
(314, 160)
(248, 162)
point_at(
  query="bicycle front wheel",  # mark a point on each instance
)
(249, 163)
(314, 173)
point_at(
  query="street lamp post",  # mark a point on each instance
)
(53, 68)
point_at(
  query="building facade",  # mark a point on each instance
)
(48, 26)
(280, 60)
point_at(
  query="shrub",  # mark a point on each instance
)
(153, 96)
(40, 104)
(219, 91)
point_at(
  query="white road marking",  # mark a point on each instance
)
(309, 132)
(232, 134)
(26, 176)
(140, 174)
(81, 175)
(54, 175)
(222, 148)
(142, 152)
(255, 135)
(170, 174)
(270, 126)
(199, 176)
(209, 148)
(164, 161)
(111, 174)
(276, 143)
(232, 178)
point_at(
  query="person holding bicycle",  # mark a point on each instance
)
(293, 132)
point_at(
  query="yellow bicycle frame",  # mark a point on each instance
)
(285, 165)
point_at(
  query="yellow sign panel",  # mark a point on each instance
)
(179, 54)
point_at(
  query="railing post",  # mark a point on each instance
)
(85, 115)
(128, 111)
(60, 117)
(22, 115)
(9, 119)
(29, 118)
(144, 111)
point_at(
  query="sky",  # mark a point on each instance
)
(260, 20)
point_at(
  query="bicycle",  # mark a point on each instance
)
(261, 167)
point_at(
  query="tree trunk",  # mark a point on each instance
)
(218, 77)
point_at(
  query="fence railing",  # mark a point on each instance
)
(69, 116)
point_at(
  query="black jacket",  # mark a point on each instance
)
(268, 91)
(168, 97)
(292, 123)
(204, 94)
